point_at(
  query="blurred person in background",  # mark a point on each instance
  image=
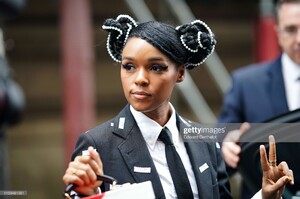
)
(11, 95)
(264, 90)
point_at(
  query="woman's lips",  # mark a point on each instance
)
(140, 94)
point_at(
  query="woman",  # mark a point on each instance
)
(131, 147)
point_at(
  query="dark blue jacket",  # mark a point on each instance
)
(257, 94)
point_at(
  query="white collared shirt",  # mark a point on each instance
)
(150, 131)
(291, 73)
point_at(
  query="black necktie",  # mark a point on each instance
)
(177, 170)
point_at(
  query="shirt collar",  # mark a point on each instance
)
(150, 129)
(291, 70)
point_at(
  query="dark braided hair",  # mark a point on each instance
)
(119, 30)
(188, 44)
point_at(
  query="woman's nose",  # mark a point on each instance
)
(142, 78)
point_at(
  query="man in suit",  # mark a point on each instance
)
(257, 93)
(264, 90)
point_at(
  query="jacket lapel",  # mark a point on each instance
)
(200, 160)
(135, 152)
(200, 165)
(277, 91)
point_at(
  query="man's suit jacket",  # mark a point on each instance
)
(122, 148)
(257, 94)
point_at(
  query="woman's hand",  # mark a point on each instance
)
(83, 172)
(274, 177)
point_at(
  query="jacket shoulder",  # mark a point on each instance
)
(251, 70)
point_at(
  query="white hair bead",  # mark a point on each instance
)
(128, 17)
(199, 42)
(186, 46)
(110, 51)
(113, 28)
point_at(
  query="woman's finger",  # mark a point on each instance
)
(96, 157)
(69, 178)
(263, 158)
(272, 151)
(84, 170)
(285, 171)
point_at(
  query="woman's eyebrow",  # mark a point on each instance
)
(151, 59)
(127, 58)
(156, 59)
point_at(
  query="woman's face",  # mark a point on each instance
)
(148, 77)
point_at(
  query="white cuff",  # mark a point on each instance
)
(99, 190)
(257, 195)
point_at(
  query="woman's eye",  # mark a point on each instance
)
(127, 66)
(158, 68)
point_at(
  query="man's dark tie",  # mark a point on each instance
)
(177, 170)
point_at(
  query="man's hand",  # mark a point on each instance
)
(274, 177)
(230, 149)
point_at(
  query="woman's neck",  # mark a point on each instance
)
(160, 115)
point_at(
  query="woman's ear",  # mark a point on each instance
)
(181, 73)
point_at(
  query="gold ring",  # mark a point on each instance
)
(272, 163)
(74, 171)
